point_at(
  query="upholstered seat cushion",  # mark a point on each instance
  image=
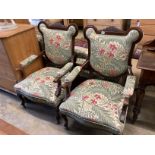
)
(39, 86)
(98, 102)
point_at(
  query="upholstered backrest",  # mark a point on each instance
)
(109, 53)
(58, 43)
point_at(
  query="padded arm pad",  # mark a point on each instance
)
(64, 70)
(129, 86)
(28, 60)
(70, 77)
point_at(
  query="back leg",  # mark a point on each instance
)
(57, 115)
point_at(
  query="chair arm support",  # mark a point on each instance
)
(74, 73)
(26, 62)
(129, 86)
(63, 71)
(127, 92)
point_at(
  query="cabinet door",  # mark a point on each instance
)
(7, 78)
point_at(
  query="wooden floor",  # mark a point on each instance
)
(8, 129)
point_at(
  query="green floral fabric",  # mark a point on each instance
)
(71, 76)
(58, 44)
(97, 101)
(81, 52)
(39, 86)
(28, 60)
(109, 53)
(64, 69)
(129, 86)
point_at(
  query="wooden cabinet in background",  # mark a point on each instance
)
(15, 46)
(104, 23)
(99, 23)
(148, 27)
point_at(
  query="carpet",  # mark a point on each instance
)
(8, 129)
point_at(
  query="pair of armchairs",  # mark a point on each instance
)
(99, 103)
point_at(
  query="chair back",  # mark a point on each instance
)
(110, 53)
(58, 42)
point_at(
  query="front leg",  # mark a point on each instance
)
(23, 100)
(66, 121)
(57, 115)
(58, 91)
(137, 106)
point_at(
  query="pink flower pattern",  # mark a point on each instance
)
(97, 96)
(42, 81)
(110, 54)
(85, 97)
(112, 47)
(93, 101)
(51, 41)
(112, 107)
(58, 37)
(57, 44)
(57, 41)
(101, 51)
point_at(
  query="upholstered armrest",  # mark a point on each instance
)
(63, 71)
(30, 60)
(70, 77)
(81, 52)
(129, 86)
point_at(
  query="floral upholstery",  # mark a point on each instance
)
(109, 53)
(129, 86)
(71, 76)
(39, 86)
(58, 44)
(28, 60)
(96, 101)
(64, 70)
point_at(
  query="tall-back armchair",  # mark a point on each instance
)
(103, 103)
(45, 85)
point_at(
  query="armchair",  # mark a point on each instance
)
(45, 85)
(103, 103)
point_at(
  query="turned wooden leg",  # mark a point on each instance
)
(57, 115)
(22, 100)
(137, 106)
(66, 121)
